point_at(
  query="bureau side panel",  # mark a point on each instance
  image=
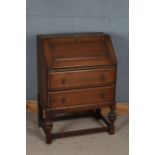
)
(110, 49)
(42, 75)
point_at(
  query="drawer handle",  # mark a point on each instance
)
(63, 81)
(63, 100)
(102, 78)
(102, 95)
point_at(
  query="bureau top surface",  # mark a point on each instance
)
(76, 50)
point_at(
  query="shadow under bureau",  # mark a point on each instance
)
(76, 78)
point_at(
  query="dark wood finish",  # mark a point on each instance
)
(47, 126)
(76, 73)
(79, 132)
(40, 113)
(112, 117)
(97, 113)
(73, 116)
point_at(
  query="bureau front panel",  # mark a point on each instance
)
(80, 78)
(78, 97)
(65, 52)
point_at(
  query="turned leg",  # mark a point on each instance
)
(40, 113)
(112, 118)
(97, 113)
(47, 126)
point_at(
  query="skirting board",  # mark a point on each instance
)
(121, 108)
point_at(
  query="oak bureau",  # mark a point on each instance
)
(76, 78)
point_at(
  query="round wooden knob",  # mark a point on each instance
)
(102, 77)
(102, 95)
(63, 81)
(63, 100)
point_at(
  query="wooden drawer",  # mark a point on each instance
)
(81, 97)
(80, 78)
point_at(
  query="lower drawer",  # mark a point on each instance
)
(78, 97)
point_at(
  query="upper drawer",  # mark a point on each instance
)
(81, 78)
(78, 51)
